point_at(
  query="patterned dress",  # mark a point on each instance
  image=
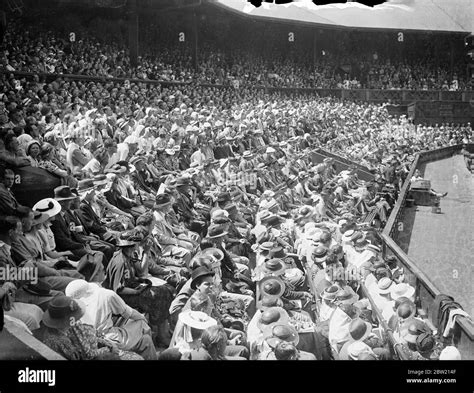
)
(80, 342)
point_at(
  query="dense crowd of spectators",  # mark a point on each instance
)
(101, 50)
(199, 215)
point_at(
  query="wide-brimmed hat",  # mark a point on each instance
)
(325, 237)
(279, 333)
(330, 293)
(272, 316)
(216, 231)
(278, 252)
(320, 254)
(201, 271)
(79, 289)
(274, 267)
(406, 310)
(415, 328)
(384, 285)
(197, 319)
(346, 295)
(247, 154)
(162, 200)
(64, 193)
(39, 218)
(401, 290)
(359, 329)
(357, 348)
(48, 206)
(271, 286)
(346, 237)
(266, 247)
(63, 312)
(425, 342)
(450, 353)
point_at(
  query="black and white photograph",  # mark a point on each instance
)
(236, 180)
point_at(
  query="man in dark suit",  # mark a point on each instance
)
(65, 242)
(79, 231)
(91, 221)
(223, 149)
(184, 207)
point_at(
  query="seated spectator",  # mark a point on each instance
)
(137, 292)
(62, 331)
(9, 206)
(33, 150)
(130, 333)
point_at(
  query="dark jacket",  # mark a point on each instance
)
(91, 220)
(63, 238)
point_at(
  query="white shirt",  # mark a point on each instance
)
(122, 151)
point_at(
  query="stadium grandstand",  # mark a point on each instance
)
(209, 180)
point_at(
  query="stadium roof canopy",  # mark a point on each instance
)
(454, 16)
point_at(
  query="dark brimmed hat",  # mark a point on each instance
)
(216, 231)
(266, 246)
(271, 317)
(415, 328)
(201, 271)
(63, 312)
(359, 330)
(271, 286)
(347, 296)
(274, 266)
(279, 333)
(278, 252)
(425, 342)
(64, 193)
